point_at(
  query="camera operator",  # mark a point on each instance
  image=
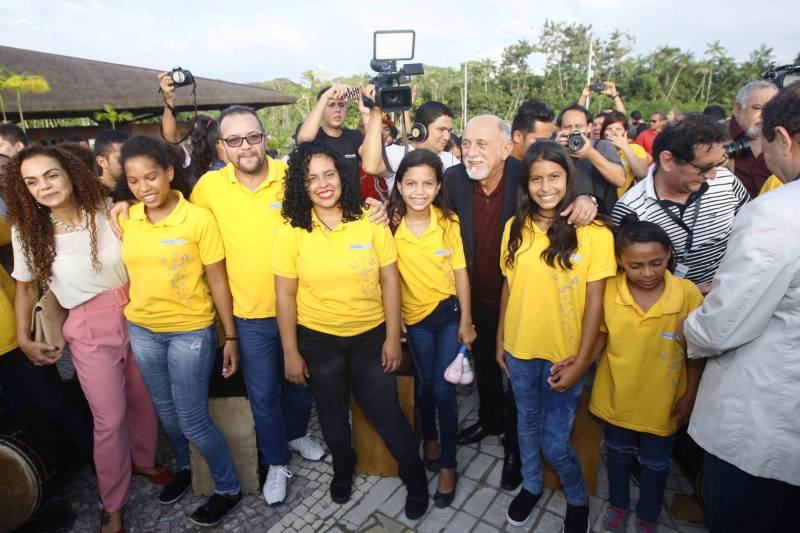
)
(609, 89)
(379, 160)
(598, 169)
(325, 124)
(746, 413)
(745, 129)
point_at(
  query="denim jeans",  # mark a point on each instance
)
(281, 410)
(654, 456)
(434, 344)
(339, 365)
(544, 424)
(176, 368)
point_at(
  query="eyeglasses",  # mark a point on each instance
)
(705, 169)
(252, 139)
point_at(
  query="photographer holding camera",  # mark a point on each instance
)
(325, 123)
(745, 130)
(598, 169)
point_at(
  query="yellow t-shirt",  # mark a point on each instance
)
(642, 372)
(639, 152)
(165, 262)
(248, 221)
(338, 273)
(8, 322)
(772, 183)
(427, 264)
(545, 306)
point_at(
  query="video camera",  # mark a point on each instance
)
(392, 93)
(783, 75)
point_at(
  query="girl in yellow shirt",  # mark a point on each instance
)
(176, 263)
(338, 311)
(644, 389)
(551, 308)
(436, 302)
(634, 158)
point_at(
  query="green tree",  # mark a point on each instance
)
(112, 116)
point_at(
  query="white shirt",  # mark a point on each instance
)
(74, 279)
(395, 154)
(748, 406)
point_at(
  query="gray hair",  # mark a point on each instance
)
(505, 130)
(743, 96)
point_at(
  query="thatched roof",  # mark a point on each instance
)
(79, 87)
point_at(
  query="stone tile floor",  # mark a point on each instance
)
(376, 505)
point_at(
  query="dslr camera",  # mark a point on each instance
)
(575, 141)
(181, 77)
(598, 87)
(783, 75)
(737, 149)
(392, 94)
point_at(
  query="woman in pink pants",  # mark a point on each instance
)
(61, 236)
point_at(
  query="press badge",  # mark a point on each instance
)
(681, 270)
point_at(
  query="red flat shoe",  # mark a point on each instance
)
(161, 478)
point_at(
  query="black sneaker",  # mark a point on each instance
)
(175, 489)
(417, 498)
(341, 486)
(577, 519)
(214, 510)
(521, 507)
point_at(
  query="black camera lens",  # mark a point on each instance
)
(737, 149)
(575, 141)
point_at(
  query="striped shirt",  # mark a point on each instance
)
(707, 217)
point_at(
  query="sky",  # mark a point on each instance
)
(246, 41)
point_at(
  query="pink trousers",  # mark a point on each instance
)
(125, 422)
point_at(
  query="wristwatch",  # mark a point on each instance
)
(592, 198)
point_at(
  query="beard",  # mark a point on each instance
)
(476, 174)
(253, 166)
(754, 131)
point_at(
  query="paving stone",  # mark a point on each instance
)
(480, 500)
(548, 523)
(435, 520)
(479, 465)
(495, 515)
(557, 503)
(463, 456)
(495, 475)
(464, 489)
(376, 496)
(395, 504)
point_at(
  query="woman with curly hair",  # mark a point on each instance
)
(62, 237)
(338, 303)
(551, 308)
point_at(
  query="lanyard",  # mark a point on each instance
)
(679, 221)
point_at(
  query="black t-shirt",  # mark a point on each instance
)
(590, 180)
(346, 145)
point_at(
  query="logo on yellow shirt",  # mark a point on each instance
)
(446, 251)
(276, 205)
(361, 246)
(668, 335)
(173, 241)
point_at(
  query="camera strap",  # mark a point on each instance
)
(192, 124)
(683, 225)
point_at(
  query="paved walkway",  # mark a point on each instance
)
(376, 505)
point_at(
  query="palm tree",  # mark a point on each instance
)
(109, 114)
(25, 83)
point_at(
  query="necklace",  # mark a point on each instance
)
(545, 216)
(69, 228)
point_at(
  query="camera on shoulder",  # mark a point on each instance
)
(392, 93)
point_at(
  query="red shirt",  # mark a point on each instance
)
(487, 278)
(751, 171)
(372, 186)
(645, 140)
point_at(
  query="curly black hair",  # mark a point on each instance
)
(681, 138)
(161, 154)
(297, 205)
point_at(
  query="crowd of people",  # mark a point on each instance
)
(651, 263)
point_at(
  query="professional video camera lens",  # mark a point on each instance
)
(575, 141)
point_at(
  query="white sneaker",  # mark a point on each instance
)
(276, 484)
(308, 448)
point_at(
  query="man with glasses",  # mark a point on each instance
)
(690, 194)
(245, 198)
(657, 124)
(325, 124)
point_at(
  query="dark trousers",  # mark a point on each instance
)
(42, 386)
(737, 502)
(498, 410)
(339, 365)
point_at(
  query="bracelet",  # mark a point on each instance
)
(231, 337)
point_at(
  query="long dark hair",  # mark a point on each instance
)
(562, 236)
(297, 205)
(204, 137)
(32, 220)
(396, 208)
(631, 230)
(161, 154)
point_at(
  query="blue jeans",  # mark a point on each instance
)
(654, 456)
(176, 368)
(281, 410)
(434, 344)
(544, 424)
